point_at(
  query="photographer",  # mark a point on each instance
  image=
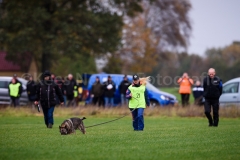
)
(185, 88)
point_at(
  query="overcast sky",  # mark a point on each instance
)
(215, 23)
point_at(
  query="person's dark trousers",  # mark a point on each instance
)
(71, 100)
(15, 101)
(137, 119)
(48, 115)
(198, 101)
(185, 99)
(97, 100)
(214, 103)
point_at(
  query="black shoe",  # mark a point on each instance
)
(215, 125)
(49, 125)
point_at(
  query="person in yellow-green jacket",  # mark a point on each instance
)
(15, 90)
(138, 100)
(75, 91)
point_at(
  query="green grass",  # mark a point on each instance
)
(163, 138)
(174, 91)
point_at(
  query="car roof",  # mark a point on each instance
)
(8, 78)
(233, 80)
(117, 78)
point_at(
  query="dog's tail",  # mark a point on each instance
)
(84, 118)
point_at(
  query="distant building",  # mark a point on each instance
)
(8, 68)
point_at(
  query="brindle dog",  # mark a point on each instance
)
(70, 125)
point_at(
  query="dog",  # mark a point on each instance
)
(70, 125)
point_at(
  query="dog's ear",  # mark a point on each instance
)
(59, 127)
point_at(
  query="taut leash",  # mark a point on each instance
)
(116, 118)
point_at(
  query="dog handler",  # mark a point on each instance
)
(138, 100)
(47, 91)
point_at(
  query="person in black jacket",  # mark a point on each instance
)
(47, 91)
(31, 90)
(70, 88)
(123, 89)
(212, 91)
(109, 90)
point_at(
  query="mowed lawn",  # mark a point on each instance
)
(163, 138)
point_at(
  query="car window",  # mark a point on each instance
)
(151, 87)
(231, 88)
(4, 84)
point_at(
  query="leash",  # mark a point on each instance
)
(116, 118)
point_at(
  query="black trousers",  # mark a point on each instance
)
(214, 105)
(98, 100)
(15, 101)
(185, 99)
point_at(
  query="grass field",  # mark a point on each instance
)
(26, 137)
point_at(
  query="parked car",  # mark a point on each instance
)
(157, 97)
(4, 96)
(231, 93)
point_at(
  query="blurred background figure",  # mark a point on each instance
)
(31, 91)
(198, 93)
(185, 88)
(58, 81)
(123, 89)
(109, 90)
(14, 90)
(64, 91)
(70, 87)
(96, 92)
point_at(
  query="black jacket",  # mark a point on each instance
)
(70, 86)
(109, 92)
(47, 92)
(31, 88)
(212, 87)
(124, 86)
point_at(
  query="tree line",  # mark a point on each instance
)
(137, 36)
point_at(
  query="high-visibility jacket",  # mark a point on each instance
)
(185, 85)
(14, 89)
(75, 91)
(138, 97)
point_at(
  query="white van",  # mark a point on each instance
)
(231, 93)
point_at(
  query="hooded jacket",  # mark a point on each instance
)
(47, 92)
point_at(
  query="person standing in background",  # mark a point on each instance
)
(109, 90)
(70, 88)
(185, 88)
(198, 93)
(123, 89)
(96, 92)
(31, 91)
(14, 90)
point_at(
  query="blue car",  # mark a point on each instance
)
(157, 97)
